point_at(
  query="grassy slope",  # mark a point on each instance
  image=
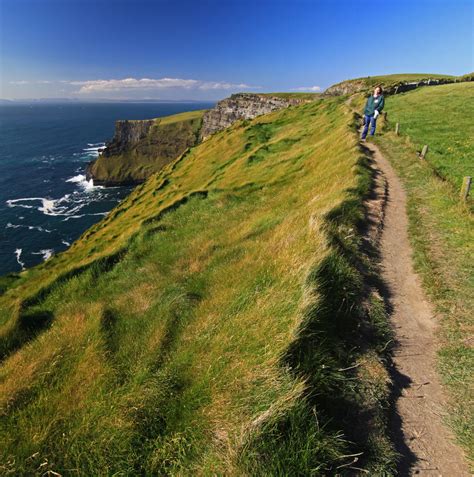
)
(177, 118)
(396, 78)
(223, 336)
(168, 138)
(389, 80)
(441, 227)
(441, 117)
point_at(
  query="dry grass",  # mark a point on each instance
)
(182, 354)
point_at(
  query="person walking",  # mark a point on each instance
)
(373, 108)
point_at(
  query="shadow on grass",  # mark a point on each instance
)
(19, 334)
(33, 320)
(405, 458)
(29, 324)
(176, 322)
(175, 205)
(342, 327)
(6, 281)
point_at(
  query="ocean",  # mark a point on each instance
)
(45, 201)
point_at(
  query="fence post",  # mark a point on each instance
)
(424, 151)
(397, 129)
(466, 187)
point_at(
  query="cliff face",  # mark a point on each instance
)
(127, 134)
(346, 87)
(141, 148)
(241, 106)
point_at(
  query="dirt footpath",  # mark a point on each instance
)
(425, 443)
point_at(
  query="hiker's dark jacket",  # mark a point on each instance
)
(374, 104)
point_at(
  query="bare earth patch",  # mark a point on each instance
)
(426, 445)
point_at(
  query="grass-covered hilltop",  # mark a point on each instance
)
(227, 318)
(141, 148)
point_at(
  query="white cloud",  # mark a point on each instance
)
(314, 89)
(132, 83)
(92, 86)
(224, 85)
(23, 82)
(136, 87)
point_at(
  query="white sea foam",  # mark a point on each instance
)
(81, 180)
(93, 148)
(18, 256)
(85, 184)
(17, 202)
(48, 206)
(96, 144)
(83, 215)
(74, 217)
(78, 178)
(64, 242)
(29, 227)
(47, 253)
(46, 159)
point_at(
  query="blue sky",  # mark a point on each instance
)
(208, 49)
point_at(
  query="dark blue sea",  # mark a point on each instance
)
(45, 201)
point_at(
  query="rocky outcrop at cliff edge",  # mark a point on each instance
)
(141, 148)
(346, 87)
(127, 134)
(241, 106)
(366, 85)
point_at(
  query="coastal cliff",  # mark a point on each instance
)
(141, 148)
(127, 134)
(393, 84)
(219, 317)
(242, 106)
(163, 337)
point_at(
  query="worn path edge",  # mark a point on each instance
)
(426, 445)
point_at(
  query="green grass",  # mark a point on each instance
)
(442, 118)
(401, 77)
(216, 322)
(441, 226)
(177, 118)
(167, 139)
(300, 96)
(389, 80)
